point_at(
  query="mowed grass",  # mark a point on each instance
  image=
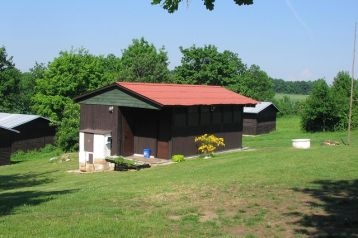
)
(268, 190)
(293, 97)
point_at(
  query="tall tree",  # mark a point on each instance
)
(320, 109)
(172, 5)
(142, 62)
(9, 83)
(70, 74)
(206, 65)
(341, 89)
(255, 83)
(27, 87)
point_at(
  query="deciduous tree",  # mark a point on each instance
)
(320, 109)
(9, 83)
(206, 65)
(70, 74)
(142, 62)
(255, 83)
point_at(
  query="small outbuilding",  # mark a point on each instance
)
(260, 119)
(128, 118)
(23, 132)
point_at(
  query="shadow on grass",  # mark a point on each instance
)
(14, 181)
(12, 200)
(339, 202)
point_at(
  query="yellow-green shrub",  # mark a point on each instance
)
(209, 143)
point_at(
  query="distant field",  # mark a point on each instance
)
(294, 97)
(268, 190)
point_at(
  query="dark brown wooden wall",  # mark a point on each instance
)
(33, 135)
(223, 121)
(5, 146)
(261, 123)
(100, 117)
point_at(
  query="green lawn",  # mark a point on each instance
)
(269, 190)
(293, 97)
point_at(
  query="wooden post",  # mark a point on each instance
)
(352, 86)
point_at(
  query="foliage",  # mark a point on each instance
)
(172, 5)
(206, 65)
(341, 90)
(292, 87)
(142, 62)
(70, 74)
(27, 88)
(67, 136)
(255, 83)
(120, 160)
(287, 106)
(208, 143)
(178, 158)
(327, 108)
(9, 83)
(320, 109)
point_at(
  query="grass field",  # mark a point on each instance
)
(293, 97)
(268, 190)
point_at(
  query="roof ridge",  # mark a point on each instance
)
(169, 84)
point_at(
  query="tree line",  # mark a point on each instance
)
(292, 87)
(49, 89)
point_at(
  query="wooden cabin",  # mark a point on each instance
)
(23, 132)
(131, 117)
(260, 119)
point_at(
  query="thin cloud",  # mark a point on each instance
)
(298, 17)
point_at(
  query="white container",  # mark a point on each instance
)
(301, 143)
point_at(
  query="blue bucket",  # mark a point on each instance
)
(146, 153)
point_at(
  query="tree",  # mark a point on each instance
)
(141, 62)
(320, 109)
(206, 65)
(69, 75)
(341, 89)
(172, 5)
(27, 88)
(255, 83)
(9, 83)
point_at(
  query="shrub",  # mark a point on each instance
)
(209, 143)
(120, 161)
(178, 158)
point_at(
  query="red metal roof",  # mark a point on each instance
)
(186, 95)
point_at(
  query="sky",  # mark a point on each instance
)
(288, 39)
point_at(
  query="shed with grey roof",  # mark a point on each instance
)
(23, 132)
(260, 119)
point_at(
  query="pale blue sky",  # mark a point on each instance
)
(289, 39)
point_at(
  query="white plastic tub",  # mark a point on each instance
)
(301, 143)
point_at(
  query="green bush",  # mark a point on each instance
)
(120, 161)
(178, 158)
